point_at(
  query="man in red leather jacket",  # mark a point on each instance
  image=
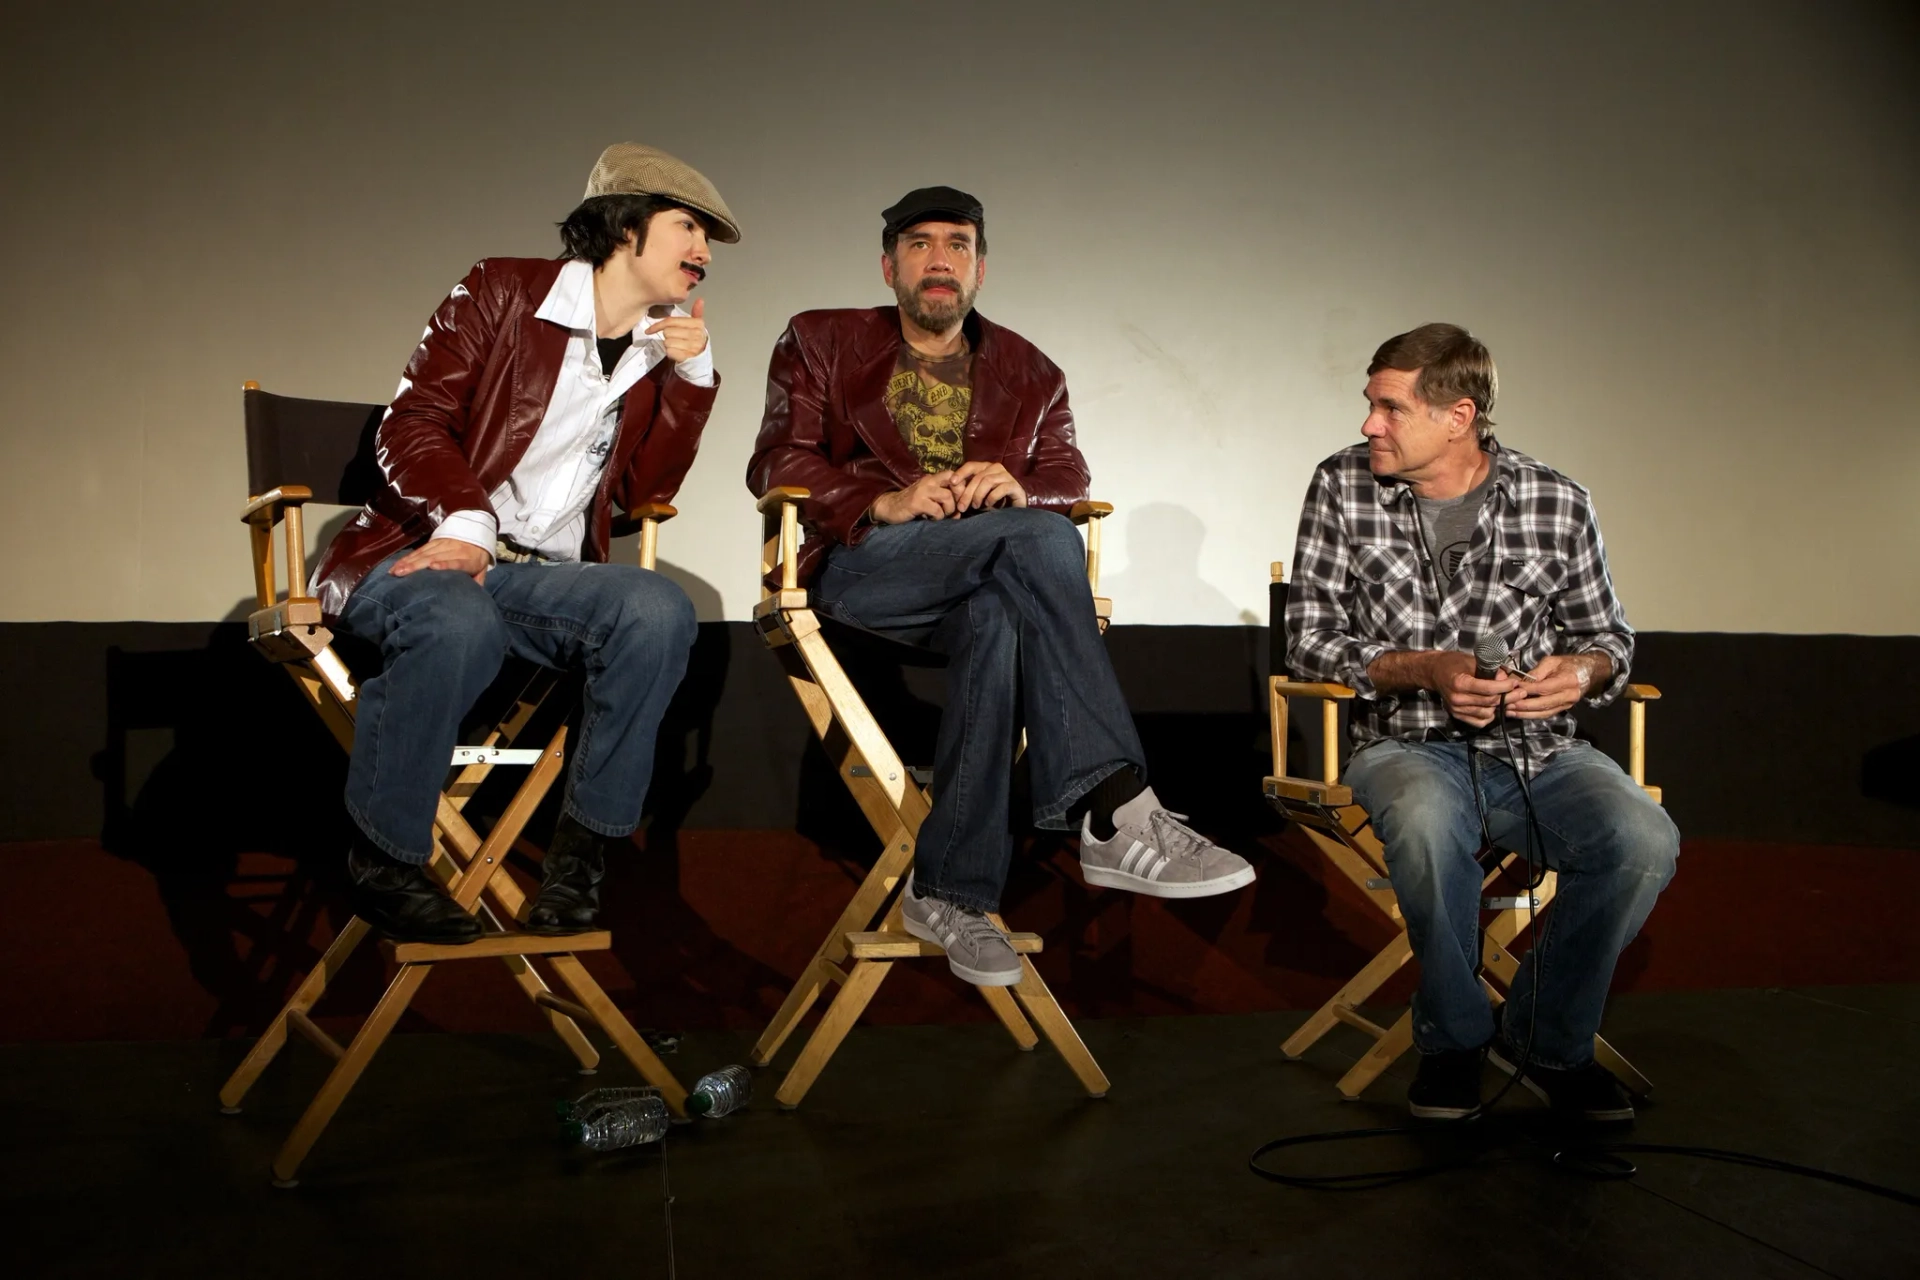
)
(938, 452)
(542, 392)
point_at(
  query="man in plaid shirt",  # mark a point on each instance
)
(1413, 546)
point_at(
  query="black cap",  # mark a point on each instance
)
(934, 203)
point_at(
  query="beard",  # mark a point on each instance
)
(934, 314)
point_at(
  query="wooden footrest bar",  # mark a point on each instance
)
(904, 946)
(325, 1043)
(579, 1013)
(1355, 1020)
(499, 944)
(1302, 791)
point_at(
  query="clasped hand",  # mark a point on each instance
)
(1550, 688)
(969, 487)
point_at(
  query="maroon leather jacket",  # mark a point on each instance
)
(472, 398)
(827, 429)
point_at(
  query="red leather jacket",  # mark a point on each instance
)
(471, 399)
(827, 428)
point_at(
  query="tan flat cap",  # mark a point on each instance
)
(629, 169)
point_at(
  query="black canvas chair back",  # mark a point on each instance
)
(1277, 627)
(324, 445)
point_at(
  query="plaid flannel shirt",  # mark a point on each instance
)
(1534, 573)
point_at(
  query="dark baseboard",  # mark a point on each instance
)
(711, 929)
(127, 730)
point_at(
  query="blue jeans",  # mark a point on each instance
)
(444, 637)
(1003, 594)
(1614, 850)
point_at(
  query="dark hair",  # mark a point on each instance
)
(888, 239)
(600, 225)
(1454, 365)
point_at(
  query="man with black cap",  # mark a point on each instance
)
(543, 392)
(939, 454)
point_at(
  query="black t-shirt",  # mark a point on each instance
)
(611, 349)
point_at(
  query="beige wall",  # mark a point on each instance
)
(1686, 231)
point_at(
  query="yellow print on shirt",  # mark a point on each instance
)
(932, 418)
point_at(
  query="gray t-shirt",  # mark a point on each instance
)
(1448, 524)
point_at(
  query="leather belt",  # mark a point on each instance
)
(505, 552)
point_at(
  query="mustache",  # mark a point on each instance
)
(699, 273)
(941, 282)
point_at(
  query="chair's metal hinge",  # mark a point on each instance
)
(497, 755)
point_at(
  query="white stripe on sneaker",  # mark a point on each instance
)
(1158, 867)
(1126, 860)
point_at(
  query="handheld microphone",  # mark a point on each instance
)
(1489, 655)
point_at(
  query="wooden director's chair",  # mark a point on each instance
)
(302, 451)
(863, 945)
(1325, 811)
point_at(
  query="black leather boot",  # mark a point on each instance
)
(401, 900)
(569, 898)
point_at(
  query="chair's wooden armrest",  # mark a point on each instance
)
(1302, 689)
(1641, 693)
(630, 521)
(653, 511)
(773, 498)
(267, 506)
(1085, 511)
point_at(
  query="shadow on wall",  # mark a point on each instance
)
(1891, 772)
(1163, 572)
(210, 756)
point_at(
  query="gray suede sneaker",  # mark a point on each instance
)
(1153, 853)
(976, 948)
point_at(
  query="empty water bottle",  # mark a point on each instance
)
(720, 1093)
(588, 1104)
(622, 1124)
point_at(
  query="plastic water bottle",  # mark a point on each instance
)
(593, 1101)
(629, 1123)
(720, 1093)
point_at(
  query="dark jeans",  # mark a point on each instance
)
(444, 637)
(1613, 848)
(1003, 594)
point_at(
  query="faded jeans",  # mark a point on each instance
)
(1003, 594)
(1614, 850)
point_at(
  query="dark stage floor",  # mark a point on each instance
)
(941, 1151)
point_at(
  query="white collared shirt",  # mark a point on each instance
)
(543, 504)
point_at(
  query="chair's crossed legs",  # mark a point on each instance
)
(859, 953)
(471, 870)
(1349, 843)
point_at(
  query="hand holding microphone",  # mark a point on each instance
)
(1489, 656)
(1474, 684)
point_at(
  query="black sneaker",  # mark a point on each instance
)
(1588, 1093)
(1448, 1086)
